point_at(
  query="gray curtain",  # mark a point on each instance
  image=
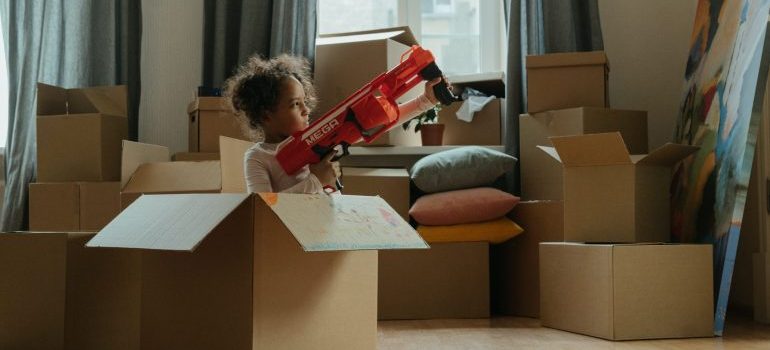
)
(536, 27)
(70, 43)
(236, 29)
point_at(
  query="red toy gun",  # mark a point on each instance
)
(365, 115)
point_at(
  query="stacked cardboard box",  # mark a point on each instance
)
(485, 128)
(593, 255)
(209, 118)
(79, 133)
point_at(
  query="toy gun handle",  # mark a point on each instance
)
(340, 151)
(441, 90)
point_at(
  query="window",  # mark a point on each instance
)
(465, 36)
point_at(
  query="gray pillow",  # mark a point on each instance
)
(459, 168)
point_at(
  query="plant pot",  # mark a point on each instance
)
(432, 134)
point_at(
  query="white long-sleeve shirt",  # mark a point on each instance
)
(264, 174)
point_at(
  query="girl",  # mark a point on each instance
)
(275, 97)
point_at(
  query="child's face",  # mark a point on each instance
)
(290, 114)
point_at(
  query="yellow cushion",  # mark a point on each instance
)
(495, 231)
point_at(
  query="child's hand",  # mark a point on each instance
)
(429, 89)
(326, 171)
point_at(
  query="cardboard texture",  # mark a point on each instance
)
(485, 129)
(244, 249)
(627, 292)
(451, 280)
(79, 133)
(567, 80)
(515, 272)
(378, 51)
(390, 184)
(211, 117)
(541, 178)
(232, 152)
(610, 196)
(194, 156)
(72, 206)
(56, 294)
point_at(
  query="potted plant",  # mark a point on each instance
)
(431, 131)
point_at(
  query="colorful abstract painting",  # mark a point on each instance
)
(709, 189)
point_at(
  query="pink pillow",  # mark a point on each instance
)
(462, 206)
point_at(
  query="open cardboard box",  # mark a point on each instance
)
(148, 169)
(79, 133)
(243, 271)
(611, 196)
(486, 127)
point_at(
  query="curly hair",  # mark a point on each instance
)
(255, 88)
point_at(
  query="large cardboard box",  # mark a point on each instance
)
(211, 117)
(515, 272)
(266, 271)
(56, 294)
(72, 206)
(625, 292)
(390, 184)
(451, 280)
(567, 80)
(148, 169)
(375, 52)
(611, 196)
(541, 178)
(485, 129)
(79, 133)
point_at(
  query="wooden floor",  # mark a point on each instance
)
(525, 333)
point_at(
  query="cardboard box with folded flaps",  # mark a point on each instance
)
(485, 129)
(79, 133)
(611, 196)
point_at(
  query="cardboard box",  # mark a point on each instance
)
(375, 51)
(147, 169)
(610, 196)
(390, 184)
(485, 129)
(451, 280)
(56, 294)
(567, 80)
(73, 206)
(625, 292)
(211, 117)
(79, 133)
(268, 271)
(194, 156)
(515, 272)
(541, 178)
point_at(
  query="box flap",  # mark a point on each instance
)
(567, 59)
(592, 150)
(231, 153)
(491, 84)
(341, 222)
(110, 100)
(176, 177)
(136, 154)
(401, 34)
(167, 222)
(51, 100)
(667, 155)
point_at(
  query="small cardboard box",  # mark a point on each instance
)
(211, 117)
(567, 80)
(485, 129)
(56, 294)
(79, 133)
(376, 51)
(541, 178)
(72, 206)
(610, 196)
(147, 169)
(515, 274)
(451, 280)
(390, 184)
(627, 292)
(194, 156)
(267, 271)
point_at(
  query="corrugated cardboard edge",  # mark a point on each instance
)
(668, 155)
(406, 36)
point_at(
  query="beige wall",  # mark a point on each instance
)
(646, 43)
(172, 60)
